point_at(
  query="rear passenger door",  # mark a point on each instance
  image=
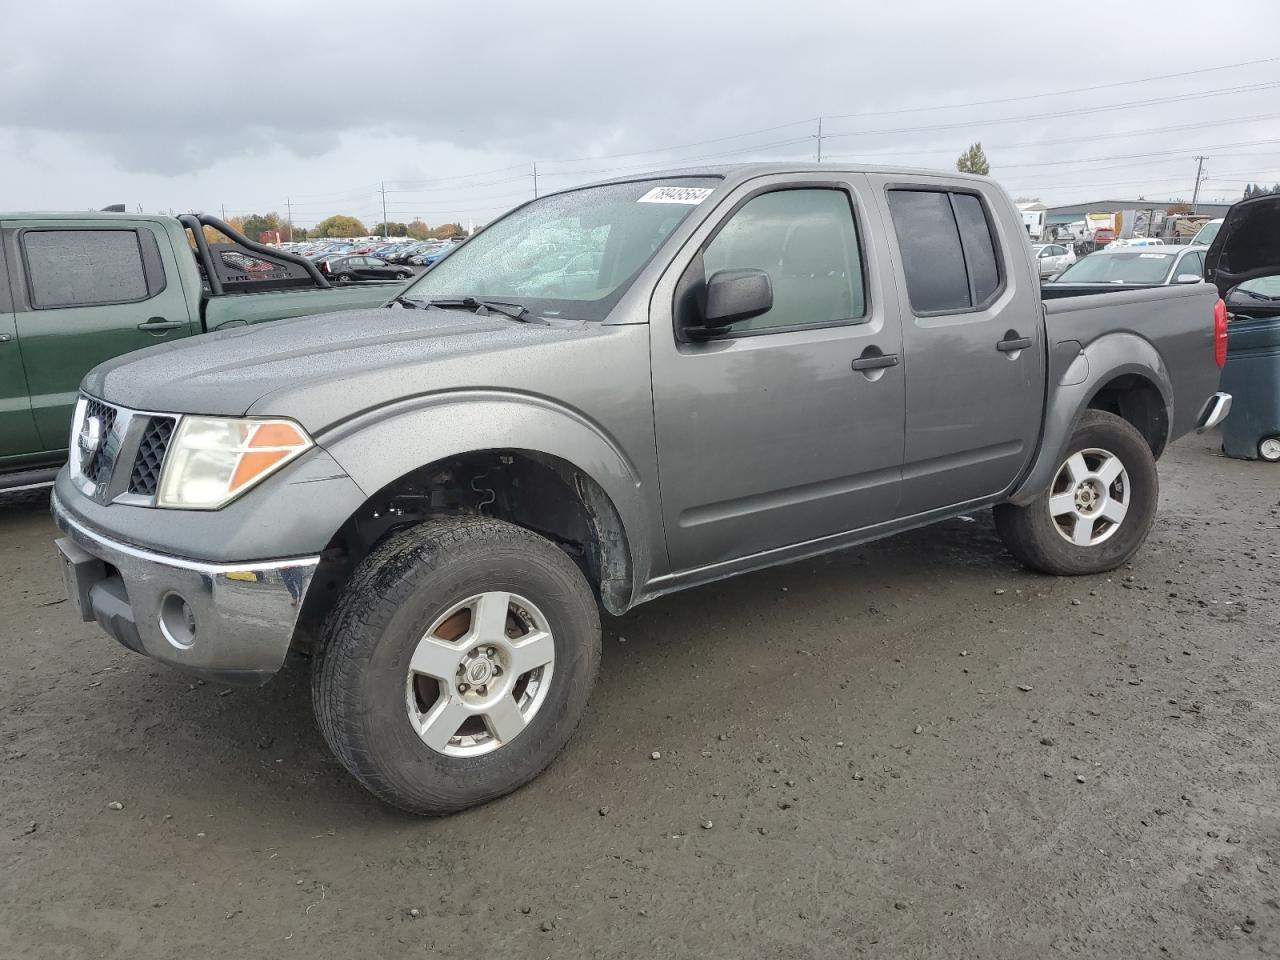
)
(973, 340)
(89, 291)
(18, 435)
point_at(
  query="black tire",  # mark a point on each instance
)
(361, 679)
(1032, 535)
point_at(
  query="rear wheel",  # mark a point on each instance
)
(1097, 512)
(1269, 449)
(457, 663)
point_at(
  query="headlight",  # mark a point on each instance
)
(211, 461)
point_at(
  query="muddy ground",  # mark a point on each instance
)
(911, 749)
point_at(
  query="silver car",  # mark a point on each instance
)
(1141, 266)
(1053, 258)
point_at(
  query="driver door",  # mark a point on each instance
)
(18, 435)
(768, 435)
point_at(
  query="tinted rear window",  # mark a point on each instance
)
(979, 247)
(932, 258)
(70, 268)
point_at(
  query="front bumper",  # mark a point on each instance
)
(232, 623)
(1214, 412)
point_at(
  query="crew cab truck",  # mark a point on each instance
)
(80, 288)
(436, 498)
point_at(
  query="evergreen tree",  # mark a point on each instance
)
(974, 160)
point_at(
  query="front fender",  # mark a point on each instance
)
(1075, 380)
(382, 445)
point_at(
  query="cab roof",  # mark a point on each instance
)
(101, 215)
(735, 173)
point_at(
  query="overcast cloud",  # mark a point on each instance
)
(240, 105)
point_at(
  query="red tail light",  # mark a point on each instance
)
(1220, 333)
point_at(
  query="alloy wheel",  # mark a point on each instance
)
(1090, 497)
(480, 674)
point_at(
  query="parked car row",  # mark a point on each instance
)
(347, 261)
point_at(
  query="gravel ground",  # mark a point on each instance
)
(911, 749)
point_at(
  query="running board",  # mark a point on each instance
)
(28, 479)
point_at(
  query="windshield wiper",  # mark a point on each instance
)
(404, 302)
(515, 311)
(1256, 295)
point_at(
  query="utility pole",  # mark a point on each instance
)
(385, 226)
(224, 213)
(535, 179)
(819, 139)
(1195, 195)
(288, 205)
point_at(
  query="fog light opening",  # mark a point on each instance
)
(177, 621)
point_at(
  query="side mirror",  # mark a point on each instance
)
(1187, 278)
(733, 295)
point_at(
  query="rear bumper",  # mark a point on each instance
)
(1214, 412)
(231, 623)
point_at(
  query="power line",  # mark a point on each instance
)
(358, 195)
(1081, 111)
(975, 103)
(1120, 135)
(1054, 93)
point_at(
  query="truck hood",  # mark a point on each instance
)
(342, 355)
(1247, 246)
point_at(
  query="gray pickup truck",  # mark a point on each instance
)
(609, 394)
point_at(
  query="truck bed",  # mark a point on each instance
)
(1174, 323)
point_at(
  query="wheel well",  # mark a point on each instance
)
(1136, 399)
(545, 494)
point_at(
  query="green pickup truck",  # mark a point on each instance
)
(80, 288)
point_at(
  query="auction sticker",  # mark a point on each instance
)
(691, 195)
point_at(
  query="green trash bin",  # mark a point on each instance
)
(1252, 377)
(1244, 263)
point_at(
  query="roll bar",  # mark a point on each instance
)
(196, 221)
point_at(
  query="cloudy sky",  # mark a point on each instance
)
(240, 105)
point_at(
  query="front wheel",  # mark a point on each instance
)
(1097, 512)
(457, 663)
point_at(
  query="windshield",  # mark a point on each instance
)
(1261, 288)
(570, 254)
(1135, 267)
(1207, 232)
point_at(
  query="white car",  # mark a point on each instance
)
(1155, 266)
(1204, 236)
(1053, 258)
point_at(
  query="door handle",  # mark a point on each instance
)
(876, 362)
(1008, 346)
(160, 325)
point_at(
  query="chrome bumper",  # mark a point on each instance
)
(227, 622)
(1214, 412)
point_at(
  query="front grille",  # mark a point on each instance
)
(145, 477)
(99, 464)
